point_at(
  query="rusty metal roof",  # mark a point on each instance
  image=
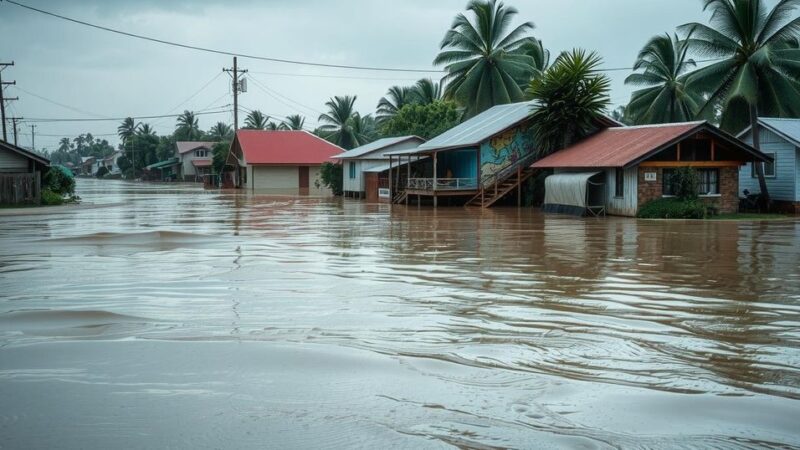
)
(625, 146)
(187, 146)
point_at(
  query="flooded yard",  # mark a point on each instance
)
(183, 318)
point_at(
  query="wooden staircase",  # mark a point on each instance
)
(499, 186)
(400, 197)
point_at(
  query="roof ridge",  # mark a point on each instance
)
(656, 125)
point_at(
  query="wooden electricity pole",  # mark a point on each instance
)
(237, 86)
(33, 137)
(3, 99)
(14, 121)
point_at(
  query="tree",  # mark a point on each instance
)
(541, 57)
(396, 97)
(342, 125)
(256, 120)
(425, 121)
(569, 98)
(620, 115)
(425, 92)
(220, 132)
(127, 129)
(486, 64)
(219, 155)
(332, 177)
(146, 130)
(187, 127)
(665, 97)
(759, 70)
(64, 145)
(294, 122)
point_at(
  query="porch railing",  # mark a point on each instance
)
(442, 184)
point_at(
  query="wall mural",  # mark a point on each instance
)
(505, 149)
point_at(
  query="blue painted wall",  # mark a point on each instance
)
(463, 163)
(784, 185)
(505, 149)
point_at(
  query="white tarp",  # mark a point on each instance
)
(567, 189)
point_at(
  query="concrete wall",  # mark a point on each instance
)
(784, 185)
(12, 162)
(280, 179)
(727, 201)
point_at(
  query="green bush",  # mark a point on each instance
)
(59, 180)
(685, 179)
(51, 198)
(331, 176)
(673, 208)
(102, 171)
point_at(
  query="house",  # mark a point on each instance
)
(780, 140)
(281, 162)
(167, 170)
(618, 169)
(21, 173)
(477, 162)
(87, 165)
(111, 163)
(356, 161)
(195, 159)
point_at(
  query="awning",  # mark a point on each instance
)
(385, 167)
(163, 164)
(570, 193)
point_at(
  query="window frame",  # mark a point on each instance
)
(774, 165)
(666, 175)
(619, 182)
(352, 170)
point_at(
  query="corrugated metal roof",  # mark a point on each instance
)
(187, 146)
(285, 147)
(618, 147)
(380, 144)
(788, 128)
(385, 167)
(477, 129)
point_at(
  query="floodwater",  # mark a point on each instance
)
(183, 318)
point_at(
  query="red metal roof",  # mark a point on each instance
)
(201, 162)
(285, 147)
(618, 147)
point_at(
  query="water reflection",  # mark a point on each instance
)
(486, 305)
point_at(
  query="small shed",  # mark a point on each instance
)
(577, 193)
(21, 173)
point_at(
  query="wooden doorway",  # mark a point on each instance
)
(303, 178)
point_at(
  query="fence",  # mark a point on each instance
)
(16, 188)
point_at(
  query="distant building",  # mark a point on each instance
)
(111, 163)
(356, 164)
(619, 169)
(281, 162)
(780, 140)
(195, 159)
(21, 173)
(87, 167)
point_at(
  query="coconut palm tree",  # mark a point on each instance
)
(64, 145)
(665, 97)
(256, 120)
(341, 124)
(146, 130)
(294, 122)
(273, 126)
(396, 97)
(220, 132)
(569, 98)
(127, 129)
(187, 126)
(486, 63)
(541, 57)
(758, 73)
(425, 92)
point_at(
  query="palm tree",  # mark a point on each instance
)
(294, 122)
(569, 98)
(758, 73)
(364, 128)
(665, 98)
(127, 129)
(425, 92)
(541, 57)
(396, 97)
(220, 132)
(146, 130)
(187, 126)
(273, 126)
(256, 120)
(341, 124)
(64, 145)
(486, 64)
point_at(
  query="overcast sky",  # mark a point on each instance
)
(107, 75)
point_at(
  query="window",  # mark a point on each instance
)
(707, 182)
(201, 153)
(769, 168)
(352, 167)
(619, 184)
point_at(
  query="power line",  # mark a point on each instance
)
(39, 119)
(61, 104)
(220, 52)
(276, 96)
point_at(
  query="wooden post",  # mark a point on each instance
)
(713, 149)
(391, 191)
(679, 151)
(519, 187)
(408, 176)
(435, 168)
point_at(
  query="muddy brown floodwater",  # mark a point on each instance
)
(182, 318)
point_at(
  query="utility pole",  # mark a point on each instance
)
(33, 137)
(3, 99)
(237, 87)
(14, 121)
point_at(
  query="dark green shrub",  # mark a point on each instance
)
(59, 180)
(685, 182)
(102, 171)
(331, 176)
(673, 208)
(51, 198)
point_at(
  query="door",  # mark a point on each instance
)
(303, 177)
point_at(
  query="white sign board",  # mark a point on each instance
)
(384, 193)
(650, 176)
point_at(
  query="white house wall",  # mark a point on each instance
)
(784, 185)
(628, 204)
(282, 179)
